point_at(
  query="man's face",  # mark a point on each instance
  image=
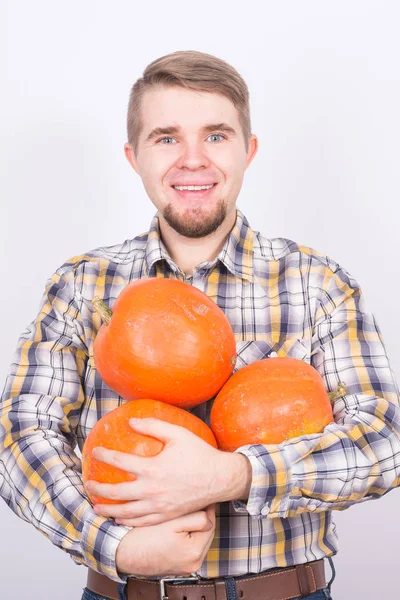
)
(193, 153)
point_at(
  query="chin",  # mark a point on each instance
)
(196, 222)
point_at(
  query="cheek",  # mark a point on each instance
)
(156, 188)
(233, 177)
(152, 178)
(155, 172)
(231, 165)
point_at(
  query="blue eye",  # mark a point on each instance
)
(220, 135)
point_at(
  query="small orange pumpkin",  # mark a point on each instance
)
(114, 432)
(268, 402)
(165, 340)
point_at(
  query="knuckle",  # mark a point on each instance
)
(161, 506)
(112, 493)
(153, 490)
(126, 522)
(116, 459)
(150, 472)
(126, 512)
(196, 557)
(195, 565)
(204, 520)
(147, 472)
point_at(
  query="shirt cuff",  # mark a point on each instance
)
(99, 543)
(270, 484)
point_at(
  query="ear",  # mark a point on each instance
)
(131, 158)
(252, 151)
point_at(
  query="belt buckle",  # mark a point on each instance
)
(164, 580)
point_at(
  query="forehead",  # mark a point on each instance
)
(165, 106)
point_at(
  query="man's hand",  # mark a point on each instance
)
(176, 547)
(187, 475)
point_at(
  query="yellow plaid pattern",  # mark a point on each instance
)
(281, 299)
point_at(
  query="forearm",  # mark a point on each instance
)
(355, 459)
(234, 480)
(40, 408)
(40, 478)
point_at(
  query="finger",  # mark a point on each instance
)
(122, 460)
(127, 490)
(210, 512)
(166, 432)
(153, 519)
(128, 510)
(197, 521)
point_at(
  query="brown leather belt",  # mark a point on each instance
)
(280, 584)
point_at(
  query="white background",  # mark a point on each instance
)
(324, 82)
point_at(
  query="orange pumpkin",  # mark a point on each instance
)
(114, 432)
(165, 340)
(268, 402)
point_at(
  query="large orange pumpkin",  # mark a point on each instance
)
(165, 340)
(114, 432)
(268, 402)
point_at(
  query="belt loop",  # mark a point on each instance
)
(220, 589)
(231, 591)
(304, 584)
(122, 587)
(333, 574)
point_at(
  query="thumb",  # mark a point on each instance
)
(210, 512)
(162, 430)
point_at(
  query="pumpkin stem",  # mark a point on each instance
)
(103, 310)
(340, 391)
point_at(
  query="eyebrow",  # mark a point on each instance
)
(173, 130)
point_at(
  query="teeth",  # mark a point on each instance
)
(193, 187)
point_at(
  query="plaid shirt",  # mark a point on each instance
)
(280, 298)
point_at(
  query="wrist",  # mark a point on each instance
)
(100, 539)
(121, 562)
(237, 472)
(125, 559)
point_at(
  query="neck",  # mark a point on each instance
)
(187, 253)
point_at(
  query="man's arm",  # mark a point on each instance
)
(357, 457)
(40, 475)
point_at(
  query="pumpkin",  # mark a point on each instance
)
(114, 432)
(165, 340)
(270, 401)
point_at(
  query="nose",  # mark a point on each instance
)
(193, 156)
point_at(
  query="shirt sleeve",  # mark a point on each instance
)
(40, 474)
(356, 457)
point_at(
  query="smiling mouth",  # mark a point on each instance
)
(194, 194)
(194, 185)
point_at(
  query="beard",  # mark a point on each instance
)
(194, 223)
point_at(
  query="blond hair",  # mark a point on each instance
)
(196, 71)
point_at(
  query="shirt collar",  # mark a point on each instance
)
(155, 250)
(236, 254)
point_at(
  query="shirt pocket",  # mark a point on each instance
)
(250, 351)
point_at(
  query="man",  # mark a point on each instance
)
(254, 523)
